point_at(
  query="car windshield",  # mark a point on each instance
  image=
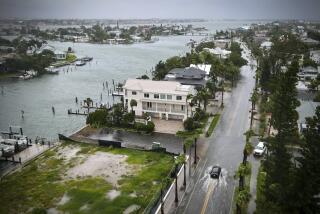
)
(215, 169)
(259, 147)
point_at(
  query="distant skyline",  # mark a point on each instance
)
(146, 9)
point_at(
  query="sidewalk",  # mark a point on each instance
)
(255, 164)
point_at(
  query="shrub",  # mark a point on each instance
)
(149, 127)
(145, 128)
(199, 115)
(190, 124)
(317, 97)
(98, 117)
(128, 119)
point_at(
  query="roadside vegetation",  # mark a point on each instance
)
(213, 124)
(43, 184)
(286, 183)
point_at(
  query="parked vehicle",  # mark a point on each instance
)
(260, 149)
(215, 172)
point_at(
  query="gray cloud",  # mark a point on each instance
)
(122, 9)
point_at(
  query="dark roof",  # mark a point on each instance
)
(188, 73)
(194, 82)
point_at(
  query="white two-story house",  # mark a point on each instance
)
(161, 99)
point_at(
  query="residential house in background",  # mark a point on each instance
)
(315, 56)
(161, 99)
(187, 76)
(266, 45)
(219, 52)
(60, 55)
(222, 43)
(204, 67)
(308, 73)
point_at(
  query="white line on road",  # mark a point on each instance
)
(195, 185)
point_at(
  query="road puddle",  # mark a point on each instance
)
(207, 181)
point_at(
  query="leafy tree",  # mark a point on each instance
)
(133, 103)
(307, 180)
(98, 118)
(212, 87)
(284, 119)
(203, 45)
(237, 59)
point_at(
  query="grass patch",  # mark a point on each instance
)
(261, 199)
(247, 179)
(71, 57)
(41, 185)
(213, 124)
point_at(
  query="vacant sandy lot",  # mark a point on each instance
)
(109, 166)
(103, 164)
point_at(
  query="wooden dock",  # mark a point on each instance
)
(77, 112)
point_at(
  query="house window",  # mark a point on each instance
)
(134, 93)
(179, 97)
(146, 95)
(169, 97)
(182, 108)
(156, 96)
(162, 96)
(149, 104)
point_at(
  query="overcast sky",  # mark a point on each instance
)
(123, 9)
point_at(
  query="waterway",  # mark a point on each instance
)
(37, 96)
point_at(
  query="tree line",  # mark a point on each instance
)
(287, 183)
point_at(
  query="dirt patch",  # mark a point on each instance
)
(109, 166)
(131, 209)
(133, 195)
(112, 194)
(68, 152)
(84, 207)
(65, 199)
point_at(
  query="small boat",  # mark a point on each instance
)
(52, 70)
(87, 59)
(80, 63)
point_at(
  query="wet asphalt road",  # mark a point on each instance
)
(225, 149)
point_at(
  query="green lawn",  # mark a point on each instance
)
(213, 124)
(41, 185)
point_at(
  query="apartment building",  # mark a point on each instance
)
(161, 99)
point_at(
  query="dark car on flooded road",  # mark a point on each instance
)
(215, 172)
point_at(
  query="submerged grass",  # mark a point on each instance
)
(40, 185)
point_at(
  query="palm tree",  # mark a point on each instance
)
(221, 86)
(133, 103)
(253, 99)
(196, 136)
(211, 86)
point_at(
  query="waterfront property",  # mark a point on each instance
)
(308, 73)
(219, 52)
(204, 67)
(187, 76)
(60, 55)
(315, 56)
(161, 99)
(222, 43)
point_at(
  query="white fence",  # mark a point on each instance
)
(168, 199)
